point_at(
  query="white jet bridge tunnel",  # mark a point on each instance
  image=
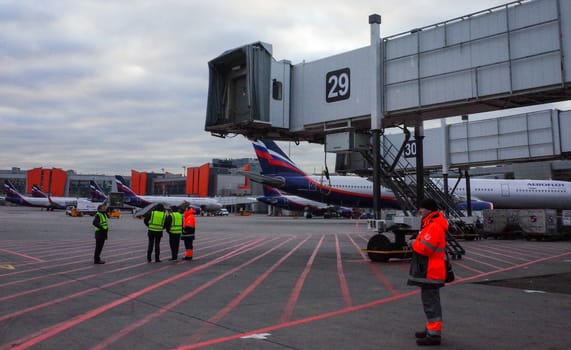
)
(509, 56)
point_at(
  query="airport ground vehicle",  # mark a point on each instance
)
(83, 207)
(222, 212)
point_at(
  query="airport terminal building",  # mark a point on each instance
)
(218, 178)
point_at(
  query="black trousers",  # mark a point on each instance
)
(154, 241)
(188, 243)
(174, 243)
(99, 242)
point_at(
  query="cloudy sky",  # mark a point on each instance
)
(106, 86)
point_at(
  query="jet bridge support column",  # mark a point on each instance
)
(419, 139)
(445, 152)
(468, 194)
(376, 107)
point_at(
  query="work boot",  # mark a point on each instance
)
(99, 262)
(429, 340)
(420, 335)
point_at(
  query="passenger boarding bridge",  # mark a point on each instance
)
(509, 56)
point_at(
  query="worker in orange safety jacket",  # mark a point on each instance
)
(427, 268)
(188, 228)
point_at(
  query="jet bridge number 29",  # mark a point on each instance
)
(338, 85)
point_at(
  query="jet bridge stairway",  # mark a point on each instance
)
(403, 184)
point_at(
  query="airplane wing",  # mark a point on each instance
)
(262, 179)
(234, 200)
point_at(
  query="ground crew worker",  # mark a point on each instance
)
(101, 230)
(155, 221)
(427, 268)
(173, 224)
(189, 227)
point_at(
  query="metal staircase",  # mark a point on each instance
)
(398, 174)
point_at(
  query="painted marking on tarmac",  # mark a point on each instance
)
(534, 291)
(7, 267)
(22, 255)
(259, 336)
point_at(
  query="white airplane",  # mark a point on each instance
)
(131, 198)
(515, 194)
(353, 191)
(13, 196)
(58, 202)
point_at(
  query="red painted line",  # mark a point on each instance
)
(378, 274)
(287, 314)
(49, 332)
(297, 322)
(513, 250)
(78, 294)
(74, 295)
(489, 257)
(363, 256)
(347, 310)
(127, 330)
(63, 283)
(21, 255)
(342, 280)
(236, 301)
(129, 251)
(384, 280)
(469, 268)
(482, 263)
(34, 267)
(530, 250)
(61, 273)
(510, 268)
(493, 251)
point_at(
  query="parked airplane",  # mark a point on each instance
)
(274, 197)
(13, 196)
(516, 194)
(58, 202)
(97, 194)
(131, 198)
(351, 191)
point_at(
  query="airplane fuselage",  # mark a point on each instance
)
(518, 194)
(348, 191)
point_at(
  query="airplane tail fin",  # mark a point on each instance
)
(97, 194)
(273, 160)
(122, 186)
(10, 190)
(37, 192)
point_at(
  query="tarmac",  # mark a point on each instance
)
(269, 283)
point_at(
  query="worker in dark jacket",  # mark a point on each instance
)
(427, 268)
(173, 224)
(101, 230)
(155, 221)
